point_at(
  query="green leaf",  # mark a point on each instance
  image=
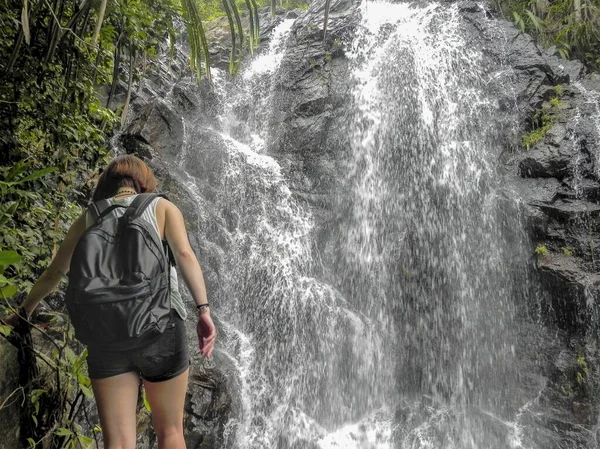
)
(145, 400)
(19, 168)
(62, 432)
(519, 21)
(7, 210)
(38, 174)
(77, 368)
(25, 194)
(9, 258)
(5, 329)
(70, 355)
(537, 24)
(8, 292)
(84, 440)
(36, 393)
(88, 393)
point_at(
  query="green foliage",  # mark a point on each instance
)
(533, 137)
(555, 102)
(32, 222)
(8, 286)
(542, 121)
(559, 90)
(582, 369)
(567, 251)
(196, 37)
(572, 27)
(59, 392)
(541, 250)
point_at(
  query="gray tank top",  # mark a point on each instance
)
(150, 216)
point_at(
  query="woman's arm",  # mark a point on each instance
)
(55, 271)
(176, 235)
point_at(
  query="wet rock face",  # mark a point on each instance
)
(557, 175)
(559, 183)
(312, 92)
(208, 406)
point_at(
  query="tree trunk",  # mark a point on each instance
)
(99, 22)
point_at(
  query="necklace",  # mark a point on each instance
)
(125, 192)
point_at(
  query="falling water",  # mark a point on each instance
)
(410, 344)
(592, 116)
(424, 238)
(306, 361)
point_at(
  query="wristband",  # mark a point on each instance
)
(199, 307)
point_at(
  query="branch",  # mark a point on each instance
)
(4, 404)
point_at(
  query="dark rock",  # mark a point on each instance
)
(571, 210)
(209, 406)
(155, 131)
(547, 161)
(574, 291)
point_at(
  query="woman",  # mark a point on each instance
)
(163, 364)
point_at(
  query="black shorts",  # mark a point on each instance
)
(162, 359)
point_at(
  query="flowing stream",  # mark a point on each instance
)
(412, 343)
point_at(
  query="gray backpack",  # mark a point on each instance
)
(118, 295)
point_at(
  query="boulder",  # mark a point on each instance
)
(208, 406)
(156, 130)
(573, 291)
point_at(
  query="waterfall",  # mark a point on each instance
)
(592, 103)
(305, 360)
(410, 341)
(423, 235)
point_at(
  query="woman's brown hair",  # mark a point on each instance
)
(124, 171)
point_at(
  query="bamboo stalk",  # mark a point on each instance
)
(251, 35)
(240, 30)
(196, 38)
(257, 23)
(206, 49)
(232, 31)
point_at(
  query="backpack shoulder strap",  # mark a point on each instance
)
(100, 208)
(137, 208)
(140, 203)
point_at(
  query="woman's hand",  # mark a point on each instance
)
(206, 333)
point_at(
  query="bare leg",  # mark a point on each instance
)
(116, 398)
(167, 400)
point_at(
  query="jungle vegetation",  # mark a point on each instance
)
(572, 27)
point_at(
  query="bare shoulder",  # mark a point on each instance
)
(168, 216)
(164, 205)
